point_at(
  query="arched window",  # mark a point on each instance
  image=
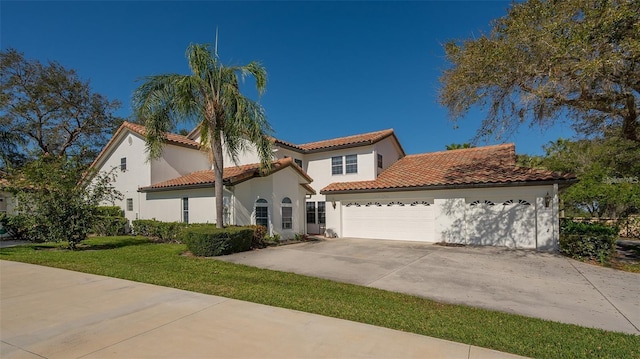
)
(287, 213)
(262, 213)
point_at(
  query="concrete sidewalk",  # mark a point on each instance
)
(54, 313)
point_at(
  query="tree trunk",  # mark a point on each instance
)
(630, 123)
(218, 168)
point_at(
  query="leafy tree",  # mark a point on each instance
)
(47, 109)
(608, 170)
(210, 96)
(54, 203)
(457, 146)
(548, 60)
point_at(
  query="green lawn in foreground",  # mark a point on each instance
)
(137, 259)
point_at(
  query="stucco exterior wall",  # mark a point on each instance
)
(319, 168)
(273, 188)
(177, 161)
(7, 203)
(138, 173)
(390, 152)
(166, 206)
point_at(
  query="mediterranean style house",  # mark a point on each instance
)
(356, 186)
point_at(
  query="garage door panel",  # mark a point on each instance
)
(505, 223)
(388, 220)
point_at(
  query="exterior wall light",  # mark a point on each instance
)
(547, 200)
(333, 204)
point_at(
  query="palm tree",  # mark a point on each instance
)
(458, 146)
(209, 97)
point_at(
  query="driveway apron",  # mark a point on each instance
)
(527, 282)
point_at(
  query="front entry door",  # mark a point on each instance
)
(316, 217)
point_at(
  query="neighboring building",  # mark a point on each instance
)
(356, 186)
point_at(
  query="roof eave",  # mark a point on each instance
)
(175, 188)
(562, 184)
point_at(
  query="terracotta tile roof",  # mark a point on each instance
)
(331, 144)
(169, 137)
(231, 175)
(355, 140)
(488, 165)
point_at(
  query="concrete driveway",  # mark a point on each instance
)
(535, 284)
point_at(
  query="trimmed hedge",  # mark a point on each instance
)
(163, 231)
(110, 226)
(110, 221)
(110, 211)
(209, 241)
(590, 241)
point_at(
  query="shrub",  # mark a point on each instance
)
(110, 211)
(110, 226)
(259, 233)
(162, 231)
(208, 241)
(110, 221)
(591, 241)
(272, 240)
(59, 198)
(302, 237)
(16, 226)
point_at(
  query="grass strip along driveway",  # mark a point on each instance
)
(138, 259)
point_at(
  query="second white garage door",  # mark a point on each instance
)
(401, 220)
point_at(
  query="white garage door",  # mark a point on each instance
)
(509, 223)
(401, 220)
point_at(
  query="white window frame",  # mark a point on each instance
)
(123, 164)
(351, 164)
(185, 209)
(262, 203)
(287, 219)
(336, 165)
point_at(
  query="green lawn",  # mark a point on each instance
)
(139, 260)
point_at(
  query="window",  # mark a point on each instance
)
(311, 212)
(3, 205)
(287, 213)
(129, 204)
(123, 164)
(185, 210)
(379, 160)
(321, 213)
(351, 163)
(262, 213)
(336, 166)
(298, 162)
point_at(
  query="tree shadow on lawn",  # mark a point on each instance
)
(112, 243)
(92, 244)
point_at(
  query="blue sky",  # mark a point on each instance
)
(335, 68)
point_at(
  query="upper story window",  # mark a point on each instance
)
(123, 164)
(129, 204)
(379, 160)
(298, 162)
(336, 165)
(351, 163)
